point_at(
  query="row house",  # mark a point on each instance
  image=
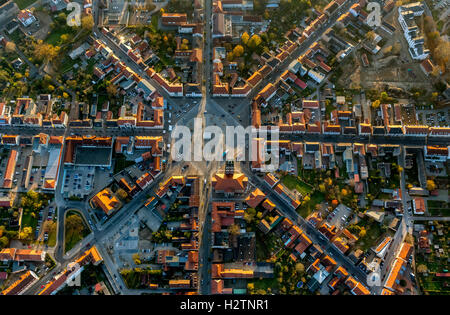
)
(173, 89)
(436, 153)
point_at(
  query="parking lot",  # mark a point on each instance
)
(78, 181)
(340, 216)
(434, 117)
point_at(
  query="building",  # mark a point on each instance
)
(8, 9)
(419, 205)
(73, 270)
(107, 201)
(55, 149)
(406, 15)
(173, 19)
(18, 287)
(436, 154)
(398, 270)
(26, 17)
(255, 198)
(229, 184)
(22, 255)
(10, 169)
(88, 151)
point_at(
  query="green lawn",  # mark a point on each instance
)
(121, 163)
(436, 207)
(264, 284)
(374, 232)
(16, 36)
(293, 182)
(306, 208)
(28, 220)
(54, 38)
(51, 241)
(68, 64)
(76, 232)
(22, 4)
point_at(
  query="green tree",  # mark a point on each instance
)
(87, 22)
(249, 215)
(431, 185)
(244, 38)
(64, 38)
(300, 268)
(238, 51)
(376, 104)
(254, 41)
(10, 47)
(4, 241)
(233, 229)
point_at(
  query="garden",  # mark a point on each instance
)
(75, 229)
(428, 265)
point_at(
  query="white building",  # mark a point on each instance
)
(406, 14)
(26, 17)
(316, 76)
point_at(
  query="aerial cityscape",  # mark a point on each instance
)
(224, 147)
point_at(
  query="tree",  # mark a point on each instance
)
(238, 51)
(431, 185)
(233, 229)
(376, 104)
(442, 55)
(370, 35)
(384, 96)
(387, 50)
(362, 232)
(43, 51)
(422, 268)
(64, 38)
(136, 259)
(396, 48)
(4, 241)
(74, 224)
(300, 268)
(87, 22)
(244, 38)
(249, 215)
(27, 230)
(10, 47)
(111, 89)
(31, 201)
(254, 41)
(121, 193)
(322, 187)
(62, 17)
(230, 56)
